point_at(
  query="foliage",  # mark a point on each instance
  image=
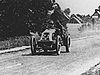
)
(67, 11)
(16, 16)
(13, 42)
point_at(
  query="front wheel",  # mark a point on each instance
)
(33, 45)
(58, 45)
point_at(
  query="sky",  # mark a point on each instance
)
(83, 7)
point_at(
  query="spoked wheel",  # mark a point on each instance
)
(67, 44)
(33, 45)
(58, 45)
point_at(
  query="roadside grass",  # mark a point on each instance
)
(13, 42)
(88, 31)
(95, 70)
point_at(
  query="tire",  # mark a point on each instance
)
(67, 45)
(69, 41)
(33, 45)
(58, 45)
(45, 51)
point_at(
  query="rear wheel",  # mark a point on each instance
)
(58, 45)
(33, 45)
(45, 51)
(67, 44)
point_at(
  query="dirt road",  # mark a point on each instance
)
(83, 52)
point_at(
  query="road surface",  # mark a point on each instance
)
(82, 51)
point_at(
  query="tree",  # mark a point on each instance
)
(79, 15)
(17, 15)
(99, 8)
(67, 11)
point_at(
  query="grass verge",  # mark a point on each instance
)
(13, 42)
(95, 70)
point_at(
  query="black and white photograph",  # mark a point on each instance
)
(49, 37)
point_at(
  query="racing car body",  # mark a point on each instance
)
(49, 40)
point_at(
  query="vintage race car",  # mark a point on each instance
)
(50, 40)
